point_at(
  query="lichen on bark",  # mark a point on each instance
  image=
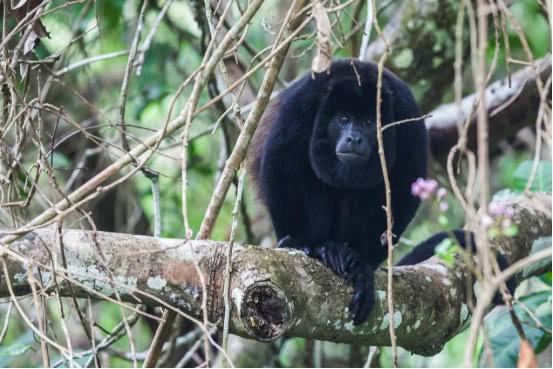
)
(274, 292)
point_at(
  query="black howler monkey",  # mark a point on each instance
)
(315, 159)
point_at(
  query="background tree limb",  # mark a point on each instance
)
(510, 108)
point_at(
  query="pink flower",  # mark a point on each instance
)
(486, 220)
(497, 209)
(506, 223)
(500, 210)
(431, 185)
(416, 188)
(444, 206)
(424, 188)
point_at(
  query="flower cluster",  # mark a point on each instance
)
(500, 220)
(425, 189)
(428, 189)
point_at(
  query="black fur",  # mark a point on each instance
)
(426, 249)
(332, 210)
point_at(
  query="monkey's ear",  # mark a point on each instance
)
(341, 86)
(328, 87)
(388, 97)
(387, 89)
(326, 91)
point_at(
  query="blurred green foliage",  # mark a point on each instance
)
(536, 321)
(173, 55)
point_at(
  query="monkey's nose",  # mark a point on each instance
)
(354, 139)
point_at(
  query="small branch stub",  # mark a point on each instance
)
(266, 312)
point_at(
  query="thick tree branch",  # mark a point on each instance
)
(275, 292)
(510, 108)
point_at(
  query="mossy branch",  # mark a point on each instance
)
(275, 292)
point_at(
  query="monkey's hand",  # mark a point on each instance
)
(362, 301)
(337, 256)
(345, 262)
(293, 242)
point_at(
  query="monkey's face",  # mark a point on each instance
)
(353, 137)
(344, 147)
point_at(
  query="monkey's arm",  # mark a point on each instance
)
(282, 197)
(404, 204)
(300, 210)
(412, 154)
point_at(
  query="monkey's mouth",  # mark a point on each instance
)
(352, 157)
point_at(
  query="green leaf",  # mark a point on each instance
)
(404, 58)
(503, 194)
(60, 161)
(541, 243)
(534, 25)
(506, 166)
(492, 233)
(443, 221)
(503, 337)
(511, 231)
(292, 352)
(446, 251)
(546, 278)
(542, 178)
(14, 350)
(544, 312)
(110, 12)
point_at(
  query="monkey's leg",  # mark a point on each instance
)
(362, 301)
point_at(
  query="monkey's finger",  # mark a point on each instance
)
(355, 303)
(350, 265)
(349, 262)
(335, 261)
(286, 242)
(364, 309)
(309, 252)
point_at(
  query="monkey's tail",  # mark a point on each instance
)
(427, 248)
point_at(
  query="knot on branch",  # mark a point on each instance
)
(266, 312)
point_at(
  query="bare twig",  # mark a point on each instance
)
(387, 187)
(239, 151)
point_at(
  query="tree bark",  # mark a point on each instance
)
(510, 108)
(275, 292)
